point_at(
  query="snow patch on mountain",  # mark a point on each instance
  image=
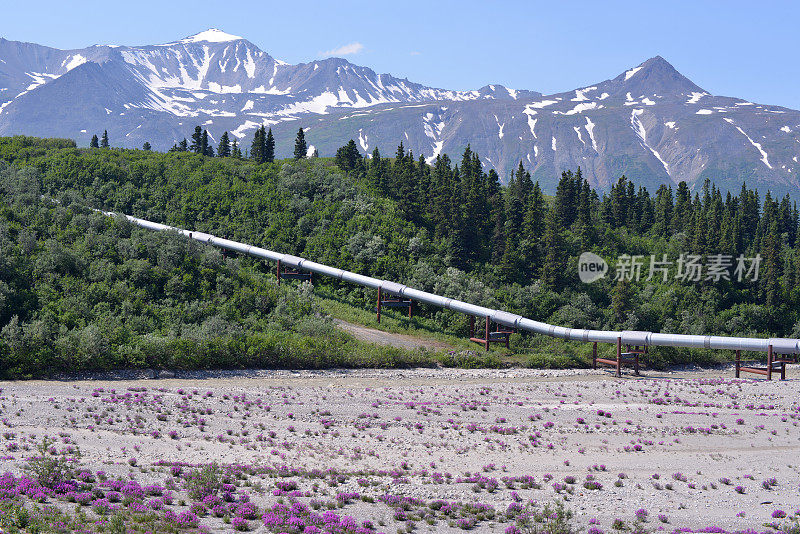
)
(695, 97)
(640, 131)
(764, 157)
(39, 78)
(433, 130)
(578, 131)
(580, 94)
(500, 126)
(532, 125)
(542, 104)
(250, 65)
(590, 130)
(319, 104)
(580, 108)
(211, 35)
(629, 74)
(74, 61)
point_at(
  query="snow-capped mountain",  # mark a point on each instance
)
(650, 122)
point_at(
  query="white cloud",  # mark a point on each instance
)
(345, 50)
(415, 53)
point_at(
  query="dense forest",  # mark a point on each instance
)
(69, 276)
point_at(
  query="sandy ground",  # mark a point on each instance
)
(682, 441)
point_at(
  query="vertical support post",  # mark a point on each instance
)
(769, 362)
(278, 271)
(636, 360)
(594, 355)
(471, 326)
(410, 303)
(619, 357)
(487, 334)
(738, 362)
(508, 341)
(380, 298)
(783, 370)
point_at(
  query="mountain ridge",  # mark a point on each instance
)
(649, 122)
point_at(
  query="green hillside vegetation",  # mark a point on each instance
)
(78, 290)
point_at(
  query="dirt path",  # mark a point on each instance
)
(379, 337)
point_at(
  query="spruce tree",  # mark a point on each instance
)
(183, 146)
(535, 212)
(257, 148)
(197, 141)
(269, 147)
(146, 146)
(224, 150)
(204, 143)
(104, 141)
(94, 143)
(771, 269)
(300, 146)
(347, 156)
(235, 150)
(555, 260)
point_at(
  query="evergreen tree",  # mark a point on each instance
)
(566, 198)
(663, 211)
(269, 147)
(300, 146)
(104, 141)
(257, 148)
(683, 208)
(443, 219)
(771, 273)
(204, 146)
(94, 142)
(197, 141)
(236, 152)
(535, 213)
(376, 171)
(621, 297)
(146, 146)
(347, 157)
(224, 150)
(584, 228)
(555, 256)
(183, 146)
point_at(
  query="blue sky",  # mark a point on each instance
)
(733, 48)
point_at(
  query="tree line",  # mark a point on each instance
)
(527, 236)
(452, 228)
